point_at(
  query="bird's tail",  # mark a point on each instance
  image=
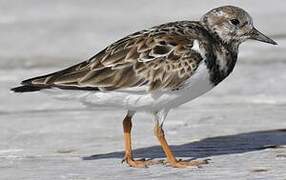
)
(29, 85)
(26, 88)
(65, 77)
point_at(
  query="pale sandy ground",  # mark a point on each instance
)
(240, 126)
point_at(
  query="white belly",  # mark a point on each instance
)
(140, 100)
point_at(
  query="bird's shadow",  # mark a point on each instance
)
(220, 145)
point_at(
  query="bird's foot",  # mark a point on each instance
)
(141, 163)
(188, 163)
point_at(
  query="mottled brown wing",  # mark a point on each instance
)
(162, 60)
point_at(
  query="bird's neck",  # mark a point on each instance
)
(220, 63)
(223, 58)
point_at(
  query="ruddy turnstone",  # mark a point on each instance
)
(156, 70)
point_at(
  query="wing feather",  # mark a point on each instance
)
(161, 58)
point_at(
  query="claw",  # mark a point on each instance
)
(123, 161)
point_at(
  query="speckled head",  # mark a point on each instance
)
(232, 25)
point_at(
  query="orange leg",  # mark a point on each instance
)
(159, 133)
(128, 158)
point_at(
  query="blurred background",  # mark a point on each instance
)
(47, 136)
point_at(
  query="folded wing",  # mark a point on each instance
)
(159, 58)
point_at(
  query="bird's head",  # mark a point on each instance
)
(233, 25)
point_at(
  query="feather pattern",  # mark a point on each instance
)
(161, 57)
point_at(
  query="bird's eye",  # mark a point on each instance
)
(235, 22)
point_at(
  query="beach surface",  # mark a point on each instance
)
(240, 126)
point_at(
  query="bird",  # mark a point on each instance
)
(156, 70)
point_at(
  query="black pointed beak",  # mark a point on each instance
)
(256, 35)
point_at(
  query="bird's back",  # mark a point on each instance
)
(158, 58)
